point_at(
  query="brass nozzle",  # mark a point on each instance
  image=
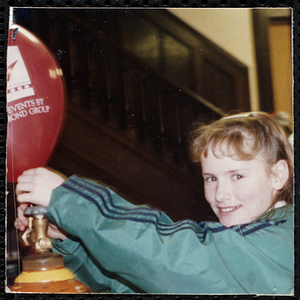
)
(36, 233)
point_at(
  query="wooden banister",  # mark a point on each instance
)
(129, 117)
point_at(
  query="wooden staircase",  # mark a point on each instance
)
(130, 110)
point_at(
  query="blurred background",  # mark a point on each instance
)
(137, 80)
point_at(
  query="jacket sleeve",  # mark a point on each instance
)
(87, 270)
(144, 247)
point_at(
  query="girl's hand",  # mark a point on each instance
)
(36, 185)
(21, 224)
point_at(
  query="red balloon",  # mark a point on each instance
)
(35, 102)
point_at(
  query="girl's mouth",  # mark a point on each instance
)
(228, 209)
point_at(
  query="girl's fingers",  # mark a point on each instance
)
(20, 212)
(23, 206)
(31, 171)
(25, 197)
(21, 224)
(25, 178)
(36, 185)
(23, 187)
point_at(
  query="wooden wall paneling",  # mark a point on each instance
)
(217, 86)
(142, 38)
(177, 60)
(223, 83)
(204, 54)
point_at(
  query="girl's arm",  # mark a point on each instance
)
(87, 270)
(36, 186)
(144, 247)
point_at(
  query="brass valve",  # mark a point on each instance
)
(36, 233)
(43, 271)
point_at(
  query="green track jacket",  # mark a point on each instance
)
(118, 247)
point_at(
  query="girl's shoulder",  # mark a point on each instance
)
(280, 212)
(278, 217)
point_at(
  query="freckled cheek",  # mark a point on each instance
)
(209, 195)
(243, 192)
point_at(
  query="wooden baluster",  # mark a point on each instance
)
(178, 123)
(96, 75)
(150, 124)
(145, 111)
(145, 114)
(116, 117)
(74, 97)
(61, 45)
(132, 102)
(172, 127)
(143, 117)
(78, 71)
(178, 147)
(161, 121)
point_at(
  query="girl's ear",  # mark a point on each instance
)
(280, 174)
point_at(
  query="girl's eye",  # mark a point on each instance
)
(210, 179)
(237, 177)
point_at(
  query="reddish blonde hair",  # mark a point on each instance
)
(234, 132)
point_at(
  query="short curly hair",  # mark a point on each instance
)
(234, 132)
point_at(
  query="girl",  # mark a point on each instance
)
(114, 246)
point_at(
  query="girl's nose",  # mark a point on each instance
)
(223, 191)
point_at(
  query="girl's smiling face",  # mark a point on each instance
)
(238, 191)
